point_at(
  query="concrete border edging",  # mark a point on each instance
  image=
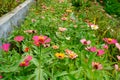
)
(13, 18)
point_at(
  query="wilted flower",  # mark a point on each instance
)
(117, 46)
(97, 65)
(118, 57)
(5, 47)
(30, 31)
(85, 42)
(100, 52)
(62, 29)
(19, 38)
(60, 55)
(26, 49)
(71, 54)
(110, 40)
(68, 10)
(75, 26)
(64, 18)
(55, 47)
(94, 27)
(33, 20)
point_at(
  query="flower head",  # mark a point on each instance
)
(28, 58)
(100, 52)
(105, 46)
(68, 10)
(64, 18)
(41, 40)
(110, 40)
(60, 55)
(26, 49)
(5, 47)
(97, 65)
(24, 63)
(30, 31)
(91, 49)
(55, 47)
(85, 42)
(117, 46)
(118, 57)
(94, 27)
(71, 54)
(19, 38)
(62, 29)
(1, 77)
(116, 67)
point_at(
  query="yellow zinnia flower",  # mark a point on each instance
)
(60, 55)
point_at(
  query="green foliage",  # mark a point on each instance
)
(111, 6)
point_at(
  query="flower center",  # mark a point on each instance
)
(41, 38)
(109, 39)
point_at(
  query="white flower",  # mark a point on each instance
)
(94, 27)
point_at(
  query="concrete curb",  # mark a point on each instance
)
(13, 18)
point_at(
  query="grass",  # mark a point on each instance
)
(65, 26)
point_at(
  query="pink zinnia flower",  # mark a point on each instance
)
(62, 29)
(100, 52)
(5, 47)
(116, 67)
(117, 45)
(19, 38)
(97, 65)
(110, 40)
(85, 42)
(1, 77)
(91, 49)
(41, 40)
(105, 46)
(118, 57)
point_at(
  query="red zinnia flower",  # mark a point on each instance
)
(26, 49)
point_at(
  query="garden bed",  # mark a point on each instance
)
(59, 41)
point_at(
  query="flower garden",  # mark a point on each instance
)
(60, 41)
